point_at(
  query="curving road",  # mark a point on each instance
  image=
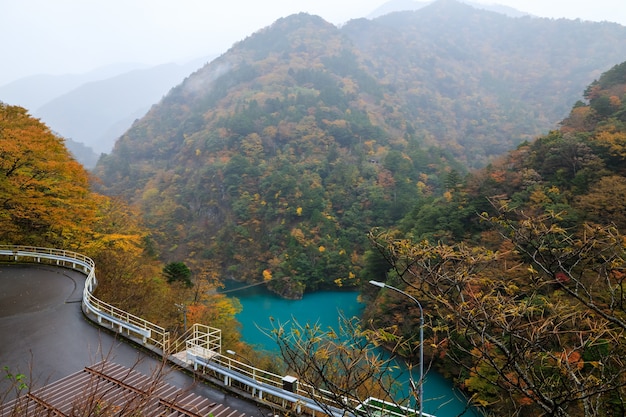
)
(44, 335)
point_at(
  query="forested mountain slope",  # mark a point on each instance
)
(478, 83)
(520, 269)
(275, 159)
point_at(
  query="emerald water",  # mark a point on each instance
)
(324, 307)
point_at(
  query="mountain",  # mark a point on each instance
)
(82, 153)
(98, 112)
(396, 6)
(34, 91)
(273, 161)
(520, 262)
(409, 5)
(476, 81)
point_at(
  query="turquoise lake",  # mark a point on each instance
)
(324, 307)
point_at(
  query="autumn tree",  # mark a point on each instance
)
(44, 193)
(606, 202)
(341, 368)
(45, 200)
(536, 328)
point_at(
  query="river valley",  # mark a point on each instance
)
(324, 307)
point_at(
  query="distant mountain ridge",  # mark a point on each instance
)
(97, 113)
(34, 91)
(412, 5)
(95, 108)
(276, 158)
(449, 57)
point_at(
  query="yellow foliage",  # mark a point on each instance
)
(298, 235)
(554, 190)
(615, 142)
(538, 197)
(150, 193)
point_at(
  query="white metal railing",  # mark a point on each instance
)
(268, 387)
(204, 341)
(59, 256)
(105, 313)
(202, 344)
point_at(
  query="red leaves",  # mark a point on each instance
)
(562, 277)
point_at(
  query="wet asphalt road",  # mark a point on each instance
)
(44, 335)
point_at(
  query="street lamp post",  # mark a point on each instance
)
(233, 353)
(252, 371)
(183, 309)
(421, 380)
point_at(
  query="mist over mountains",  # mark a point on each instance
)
(300, 138)
(94, 109)
(412, 5)
(97, 113)
(34, 91)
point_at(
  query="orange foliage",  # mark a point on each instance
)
(526, 401)
(578, 120)
(615, 101)
(196, 312)
(44, 192)
(267, 275)
(572, 357)
(385, 179)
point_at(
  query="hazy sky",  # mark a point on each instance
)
(75, 36)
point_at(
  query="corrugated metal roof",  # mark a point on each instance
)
(109, 389)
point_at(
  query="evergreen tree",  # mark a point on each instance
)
(178, 272)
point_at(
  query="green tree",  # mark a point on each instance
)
(178, 272)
